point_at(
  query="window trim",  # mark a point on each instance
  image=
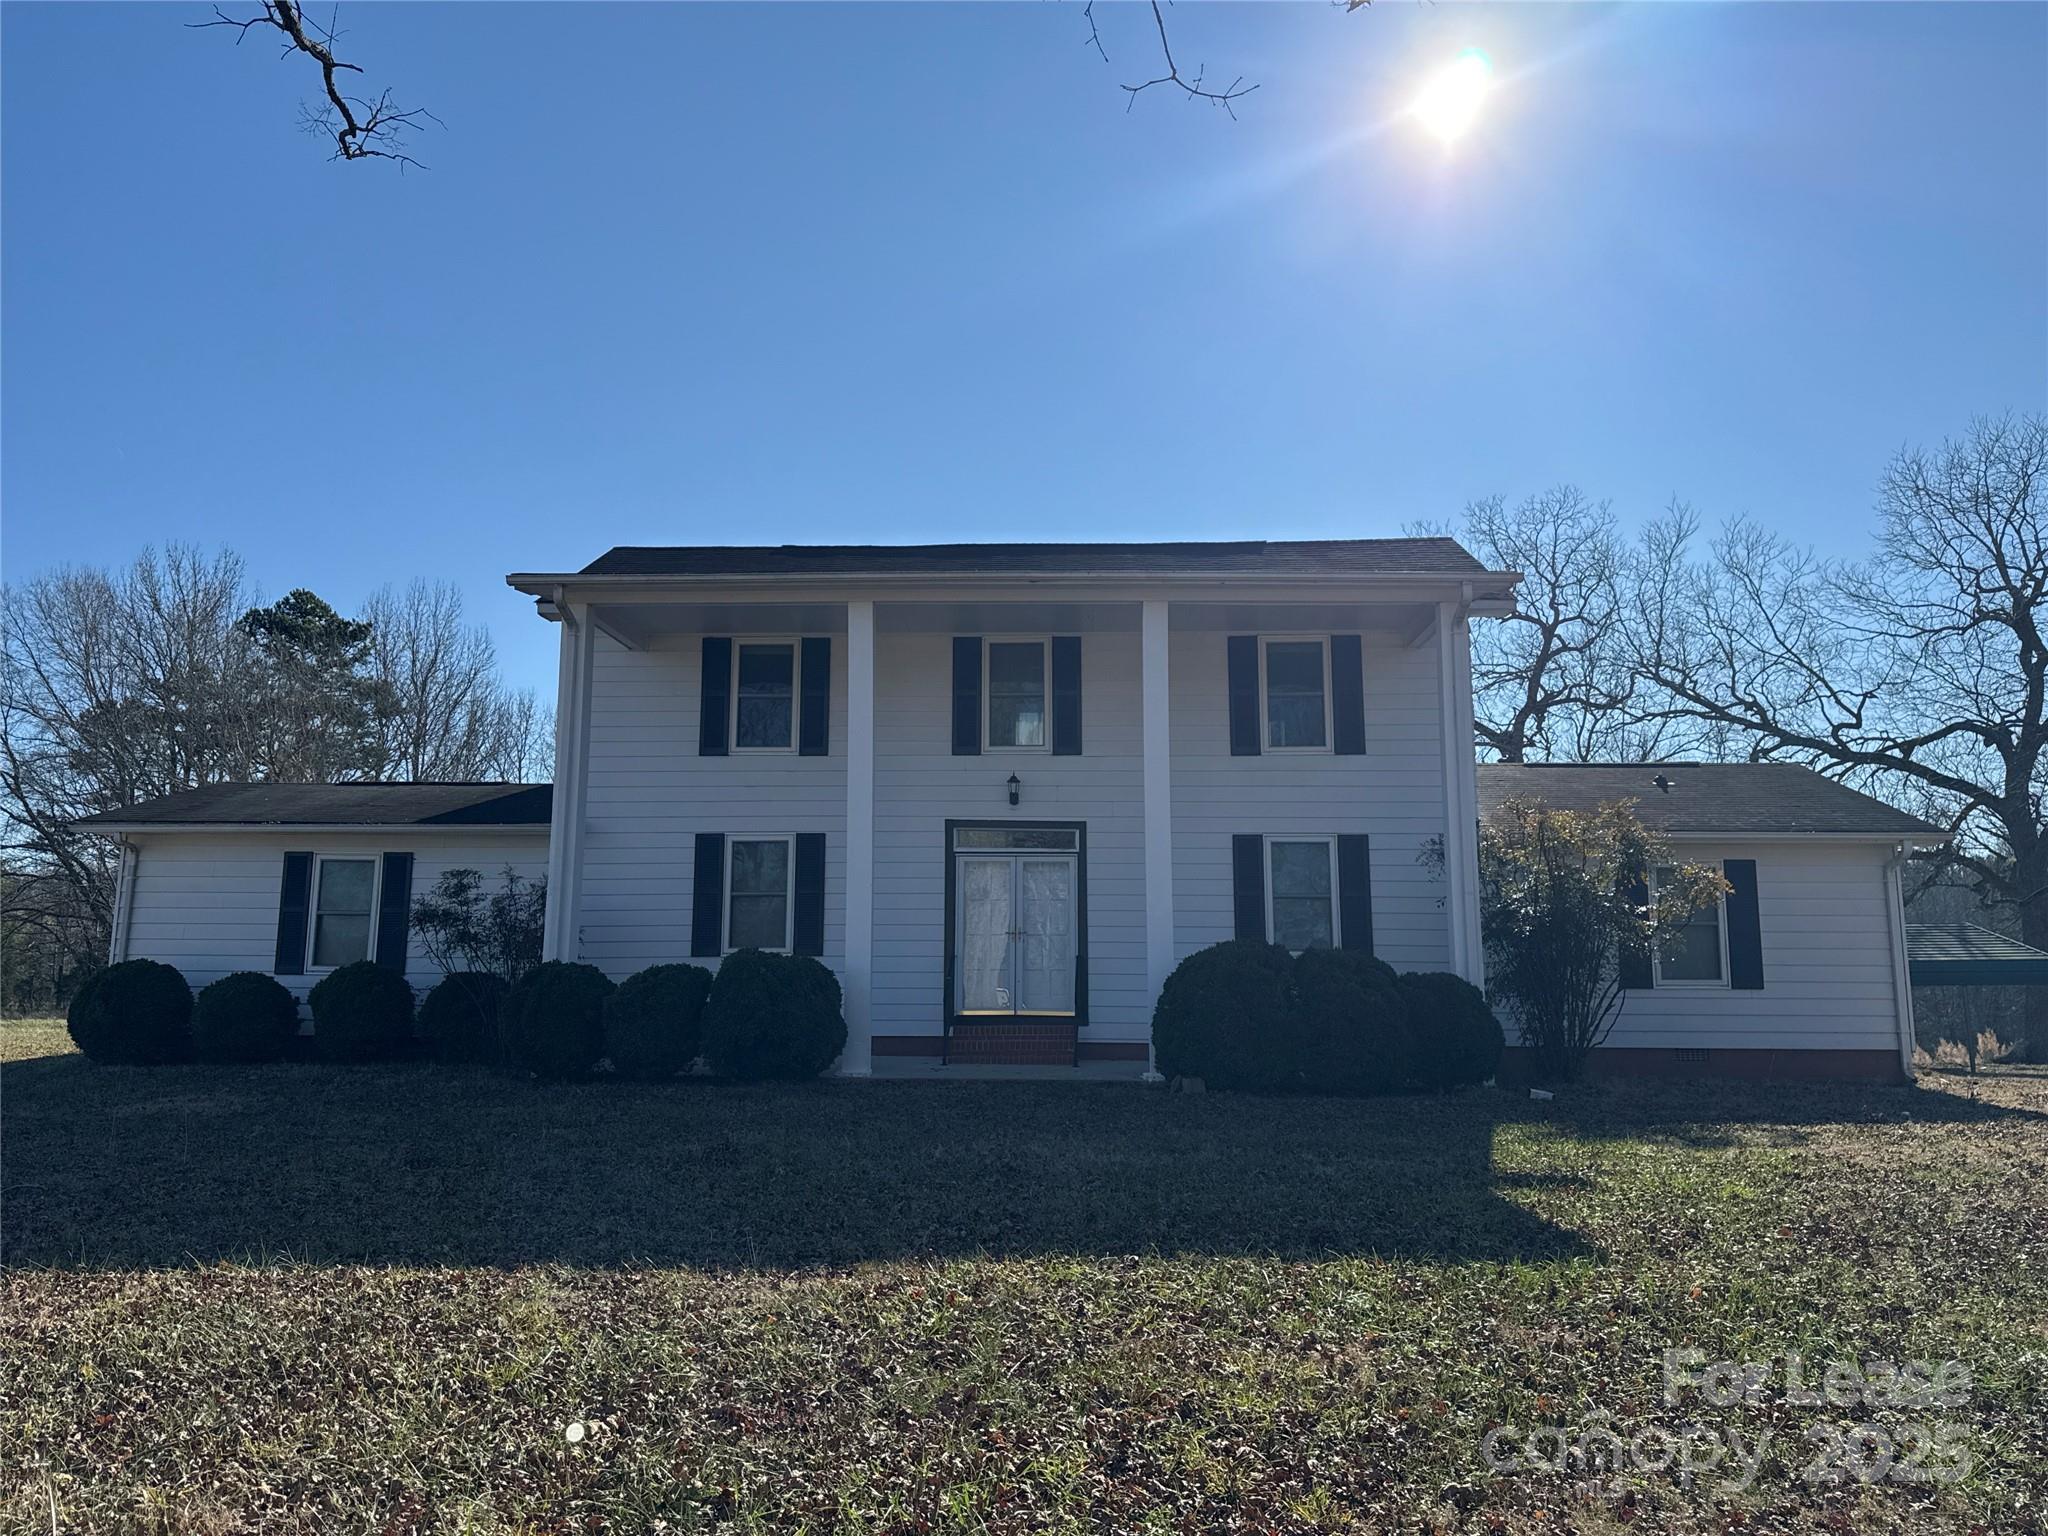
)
(1720, 983)
(376, 863)
(732, 841)
(988, 698)
(1336, 895)
(1329, 745)
(796, 693)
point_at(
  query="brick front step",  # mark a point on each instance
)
(1009, 1044)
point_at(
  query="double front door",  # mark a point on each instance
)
(1016, 932)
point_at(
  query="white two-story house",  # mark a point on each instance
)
(1002, 789)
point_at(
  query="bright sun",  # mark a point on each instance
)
(1450, 103)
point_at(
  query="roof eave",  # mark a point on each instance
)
(1487, 587)
(129, 828)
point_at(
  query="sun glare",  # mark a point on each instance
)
(1450, 103)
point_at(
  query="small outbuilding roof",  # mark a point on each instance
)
(376, 804)
(1965, 955)
(1705, 799)
(1249, 557)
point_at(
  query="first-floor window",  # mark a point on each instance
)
(1301, 890)
(343, 896)
(1695, 953)
(759, 883)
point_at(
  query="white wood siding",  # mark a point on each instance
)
(1394, 793)
(1827, 960)
(206, 902)
(919, 785)
(651, 794)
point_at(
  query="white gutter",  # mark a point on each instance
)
(551, 585)
(130, 828)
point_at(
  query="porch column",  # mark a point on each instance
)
(1158, 785)
(858, 1057)
(1461, 798)
(560, 938)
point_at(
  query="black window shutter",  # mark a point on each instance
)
(808, 930)
(394, 911)
(1248, 885)
(707, 895)
(294, 902)
(1745, 926)
(1242, 653)
(1066, 695)
(967, 695)
(1347, 693)
(814, 717)
(714, 696)
(1354, 891)
(1637, 974)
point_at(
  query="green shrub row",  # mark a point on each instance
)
(762, 1016)
(1245, 1014)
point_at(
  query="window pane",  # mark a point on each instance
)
(760, 868)
(1057, 839)
(1295, 666)
(1016, 694)
(1694, 952)
(758, 922)
(1294, 694)
(1302, 923)
(345, 885)
(767, 690)
(340, 938)
(1301, 869)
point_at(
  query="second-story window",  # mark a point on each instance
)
(764, 696)
(1016, 693)
(1296, 675)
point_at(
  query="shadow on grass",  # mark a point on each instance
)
(166, 1166)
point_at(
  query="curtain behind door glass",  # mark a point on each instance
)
(1047, 979)
(985, 886)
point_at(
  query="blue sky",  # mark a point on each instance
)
(851, 272)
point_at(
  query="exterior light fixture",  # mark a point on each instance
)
(1015, 785)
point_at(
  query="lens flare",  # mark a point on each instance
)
(1450, 103)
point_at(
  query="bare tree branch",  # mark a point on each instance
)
(1194, 87)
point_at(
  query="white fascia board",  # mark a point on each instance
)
(1918, 839)
(1106, 586)
(494, 829)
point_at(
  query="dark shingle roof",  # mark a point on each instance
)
(341, 805)
(1309, 557)
(1704, 798)
(1965, 955)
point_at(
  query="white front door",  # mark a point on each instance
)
(1016, 933)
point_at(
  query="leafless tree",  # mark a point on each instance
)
(362, 127)
(444, 713)
(1921, 673)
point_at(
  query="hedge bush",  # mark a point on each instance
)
(654, 1023)
(459, 1019)
(553, 1020)
(248, 1016)
(137, 1013)
(1352, 1028)
(1226, 1015)
(772, 1016)
(361, 1012)
(1457, 1038)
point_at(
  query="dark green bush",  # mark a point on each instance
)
(654, 1023)
(138, 1012)
(1351, 1026)
(459, 1019)
(1457, 1038)
(361, 1012)
(1226, 1015)
(553, 1020)
(248, 1016)
(772, 1016)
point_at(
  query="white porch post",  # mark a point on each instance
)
(560, 939)
(858, 1058)
(1158, 787)
(1461, 799)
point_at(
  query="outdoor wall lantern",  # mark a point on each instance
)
(1015, 785)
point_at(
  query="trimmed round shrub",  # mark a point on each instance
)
(1457, 1038)
(553, 1020)
(654, 1023)
(361, 1012)
(459, 1019)
(137, 1013)
(248, 1016)
(772, 1016)
(1226, 1015)
(1351, 1027)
